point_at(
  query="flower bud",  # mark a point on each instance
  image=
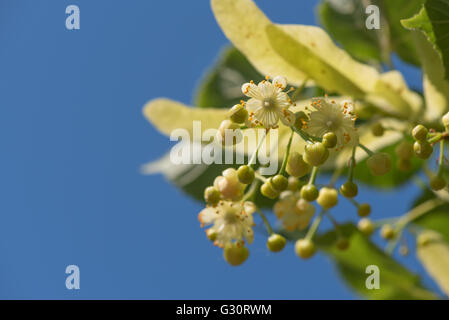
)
(211, 234)
(419, 132)
(296, 166)
(329, 140)
(404, 165)
(342, 243)
(366, 226)
(327, 198)
(377, 129)
(305, 248)
(445, 120)
(293, 184)
(229, 133)
(423, 149)
(245, 174)
(235, 254)
(379, 163)
(363, 209)
(404, 150)
(238, 114)
(387, 232)
(424, 238)
(229, 185)
(279, 182)
(212, 195)
(437, 183)
(309, 192)
(268, 191)
(349, 189)
(276, 242)
(316, 154)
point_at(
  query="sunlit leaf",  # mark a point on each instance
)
(396, 282)
(434, 255)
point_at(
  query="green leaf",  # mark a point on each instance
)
(221, 87)
(434, 255)
(396, 282)
(433, 21)
(345, 21)
(392, 179)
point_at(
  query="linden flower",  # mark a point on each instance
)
(231, 221)
(294, 212)
(332, 117)
(268, 103)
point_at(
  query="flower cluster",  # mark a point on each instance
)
(326, 127)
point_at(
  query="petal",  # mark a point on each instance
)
(253, 104)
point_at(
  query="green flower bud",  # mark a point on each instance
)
(437, 183)
(279, 182)
(235, 254)
(268, 191)
(363, 209)
(328, 198)
(305, 248)
(404, 150)
(377, 129)
(211, 234)
(349, 189)
(445, 120)
(329, 140)
(424, 238)
(419, 132)
(423, 149)
(316, 154)
(229, 133)
(238, 114)
(212, 195)
(387, 232)
(366, 226)
(276, 242)
(379, 163)
(309, 192)
(245, 174)
(300, 118)
(342, 243)
(296, 166)
(293, 184)
(404, 165)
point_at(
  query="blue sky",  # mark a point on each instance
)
(72, 139)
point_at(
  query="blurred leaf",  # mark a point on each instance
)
(436, 219)
(396, 282)
(392, 179)
(434, 255)
(221, 87)
(168, 115)
(345, 21)
(433, 20)
(194, 178)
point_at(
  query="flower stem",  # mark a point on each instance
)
(251, 193)
(299, 90)
(368, 151)
(287, 153)
(314, 227)
(313, 175)
(352, 165)
(441, 158)
(266, 222)
(252, 160)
